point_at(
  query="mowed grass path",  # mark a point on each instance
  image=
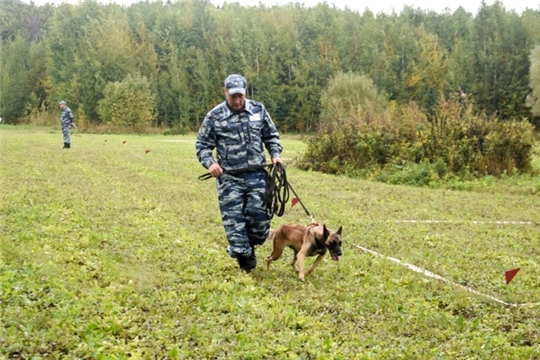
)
(107, 252)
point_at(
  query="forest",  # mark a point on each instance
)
(169, 59)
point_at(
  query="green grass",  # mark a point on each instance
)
(108, 252)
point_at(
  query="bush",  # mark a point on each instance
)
(129, 103)
(401, 145)
(479, 144)
(177, 130)
(409, 174)
(350, 93)
(367, 143)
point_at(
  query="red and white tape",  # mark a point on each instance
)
(438, 277)
(463, 222)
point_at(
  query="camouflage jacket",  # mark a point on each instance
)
(237, 137)
(66, 117)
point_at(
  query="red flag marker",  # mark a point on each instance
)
(510, 275)
(147, 151)
(294, 201)
(123, 142)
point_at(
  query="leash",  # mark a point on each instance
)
(277, 187)
(277, 190)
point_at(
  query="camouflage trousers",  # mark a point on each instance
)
(244, 215)
(66, 127)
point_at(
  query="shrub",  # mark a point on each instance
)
(409, 173)
(479, 144)
(347, 94)
(368, 142)
(129, 103)
(403, 145)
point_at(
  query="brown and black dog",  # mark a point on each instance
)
(310, 240)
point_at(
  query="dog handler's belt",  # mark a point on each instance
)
(277, 187)
(237, 171)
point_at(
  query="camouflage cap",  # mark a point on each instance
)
(236, 84)
(62, 102)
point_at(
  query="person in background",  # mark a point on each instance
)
(238, 128)
(66, 121)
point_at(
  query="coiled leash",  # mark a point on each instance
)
(277, 187)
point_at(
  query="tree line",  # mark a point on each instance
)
(176, 54)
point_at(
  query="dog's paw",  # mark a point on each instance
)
(301, 278)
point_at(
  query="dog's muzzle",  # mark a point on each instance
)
(335, 255)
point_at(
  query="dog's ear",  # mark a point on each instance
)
(339, 231)
(326, 233)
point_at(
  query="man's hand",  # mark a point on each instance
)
(215, 170)
(276, 160)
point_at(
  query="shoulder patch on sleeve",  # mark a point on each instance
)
(202, 130)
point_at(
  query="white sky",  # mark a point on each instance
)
(385, 6)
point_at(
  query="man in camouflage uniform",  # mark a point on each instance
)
(66, 119)
(238, 128)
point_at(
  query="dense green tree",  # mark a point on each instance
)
(27, 20)
(531, 24)
(533, 100)
(16, 79)
(500, 62)
(64, 40)
(107, 54)
(390, 46)
(22, 58)
(427, 73)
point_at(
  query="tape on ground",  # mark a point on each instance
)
(462, 222)
(438, 277)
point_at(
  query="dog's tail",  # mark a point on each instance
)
(271, 234)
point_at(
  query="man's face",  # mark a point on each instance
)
(62, 106)
(236, 101)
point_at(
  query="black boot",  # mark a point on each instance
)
(65, 146)
(247, 263)
(68, 145)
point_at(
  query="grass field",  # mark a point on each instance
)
(110, 252)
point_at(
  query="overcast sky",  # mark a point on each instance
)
(376, 6)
